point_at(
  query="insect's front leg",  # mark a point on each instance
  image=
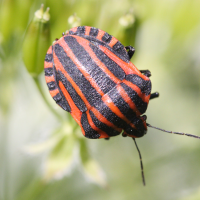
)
(131, 51)
(146, 72)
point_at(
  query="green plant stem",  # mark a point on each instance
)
(37, 82)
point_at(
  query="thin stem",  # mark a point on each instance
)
(37, 82)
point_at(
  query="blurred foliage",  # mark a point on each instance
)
(36, 42)
(42, 151)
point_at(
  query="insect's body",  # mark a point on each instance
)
(89, 74)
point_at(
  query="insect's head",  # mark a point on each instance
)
(139, 129)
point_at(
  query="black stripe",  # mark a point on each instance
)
(94, 31)
(121, 104)
(57, 97)
(110, 131)
(125, 108)
(110, 116)
(49, 57)
(72, 33)
(72, 92)
(122, 53)
(62, 102)
(80, 30)
(60, 98)
(109, 63)
(76, 75)
(100, 77)
(144, 85)
(120, 49)
(89, 132)
(106, 38)
(141, 106)
(51, 85)
(48, 71)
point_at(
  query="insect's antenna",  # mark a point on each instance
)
(178, 133)
(142, 169)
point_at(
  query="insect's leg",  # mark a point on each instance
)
(131, 51)
(146, 72)
(154, 95)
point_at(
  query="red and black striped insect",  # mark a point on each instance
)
(89, 74)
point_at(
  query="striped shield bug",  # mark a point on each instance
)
(89, 74)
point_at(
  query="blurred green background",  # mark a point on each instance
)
(40, 155)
